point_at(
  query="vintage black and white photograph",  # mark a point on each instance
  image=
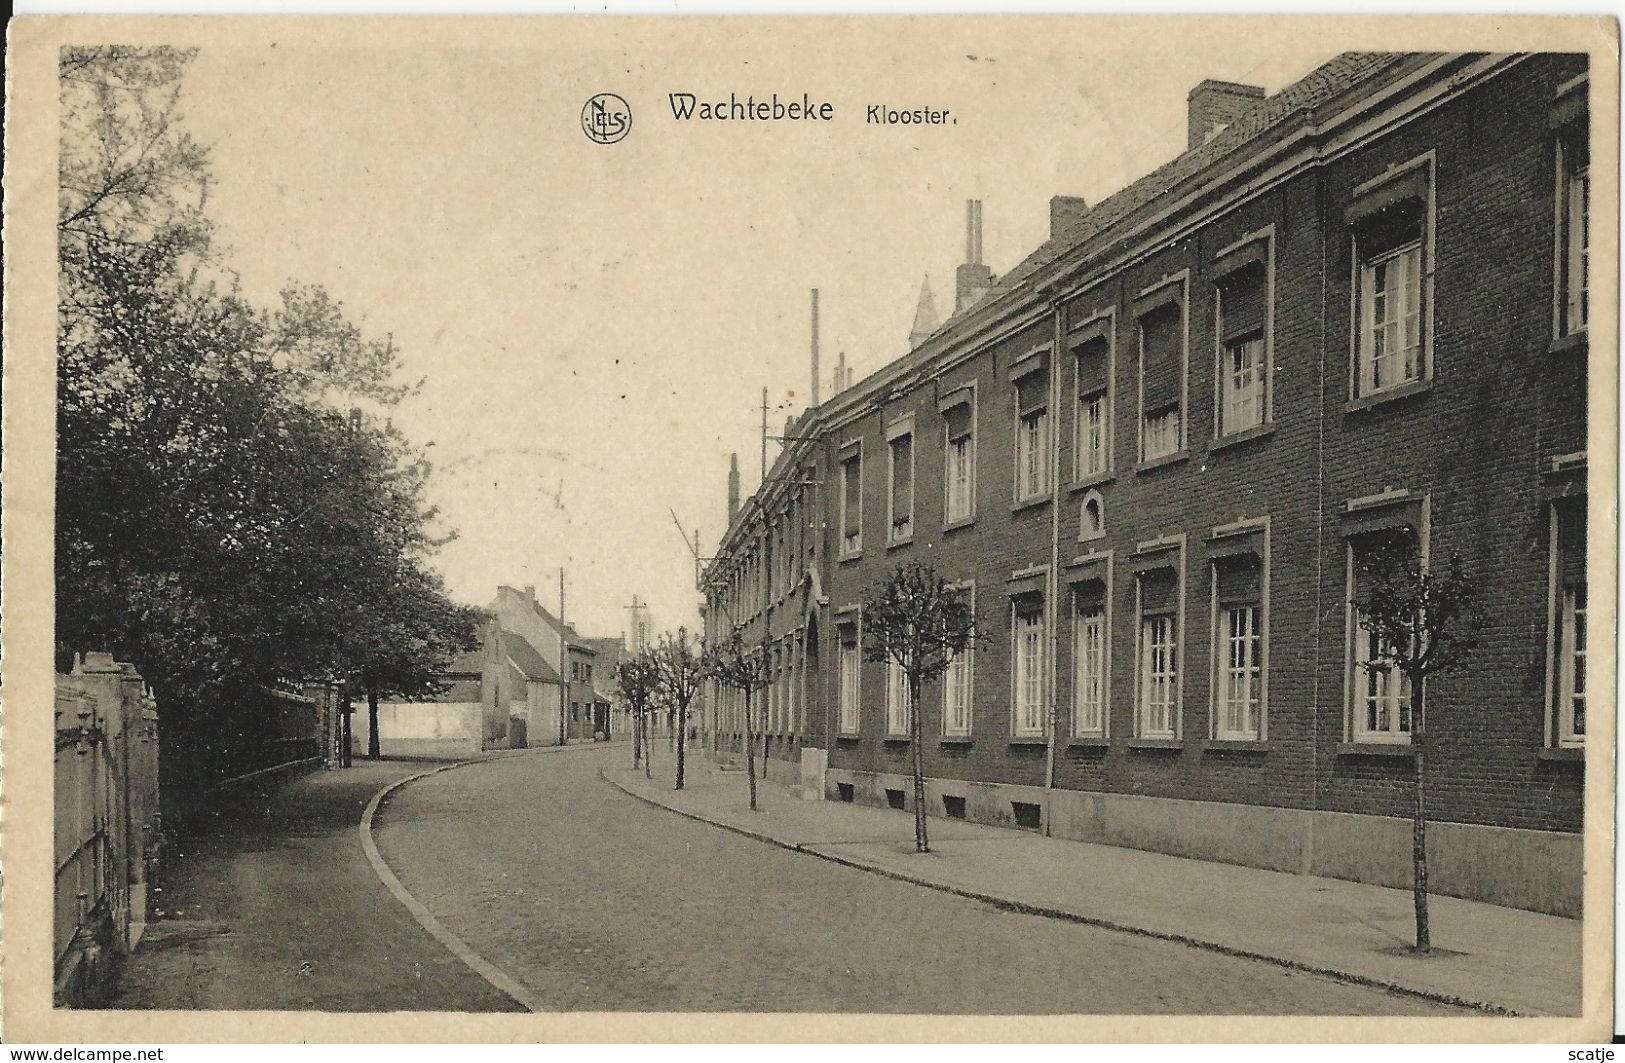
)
(909, 516)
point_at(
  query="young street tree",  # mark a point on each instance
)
(917, 623)
(1419, 621)
(638, 678)
(733, 665)
(680, 659)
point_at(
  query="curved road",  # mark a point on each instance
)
(596, 901)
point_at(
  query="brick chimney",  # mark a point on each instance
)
(973, 279)
(1212, 105)
(1064, 212)
(733, 486)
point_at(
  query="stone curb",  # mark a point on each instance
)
(499, 979)
(1025, 908)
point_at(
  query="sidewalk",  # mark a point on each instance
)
(1500, 959)
(271, 905)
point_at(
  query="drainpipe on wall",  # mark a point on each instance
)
(1052, 590)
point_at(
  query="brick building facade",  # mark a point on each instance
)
(1153, 451)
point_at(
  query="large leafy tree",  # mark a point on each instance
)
(1422, 621)
(234, 506)
(914, 620)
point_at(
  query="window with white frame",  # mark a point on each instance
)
(1243, 288)
(900, 516)
(1093, 376)
(1158, 685)
(1568, 669)
(896, 699)
(1239, 659)
(1089, 662)
(852, 503)
(1032, 434)
(1392, 286)
(1162, 380)
(1574, 227)
(960, 473)
(1029, 644)
(957, 681)
(1380, 709)
(851, 673)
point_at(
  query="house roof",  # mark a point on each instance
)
(523, 656)
(1324, 83)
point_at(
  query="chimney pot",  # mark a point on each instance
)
(1212, 105)
(973, 279)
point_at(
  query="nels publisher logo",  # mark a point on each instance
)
(606, 118)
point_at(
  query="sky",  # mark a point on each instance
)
(594, 323)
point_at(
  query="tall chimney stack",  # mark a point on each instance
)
(1212, 105)
(733, 486)
(815, 346)
(973, 279)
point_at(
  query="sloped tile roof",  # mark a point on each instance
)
(525, 658)
(1319, 86)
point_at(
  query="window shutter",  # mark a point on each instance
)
(959, 420)
(1161, 356)
(1240, 580)
(1391, 214)
(902, 496)
(1571, 541)
(1242, 296)
(1159, 591)
(1032, 392)
(853, 488)
(1090, 594)
(1093, 362)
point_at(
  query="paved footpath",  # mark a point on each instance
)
(593, 900)
(272, 905)
(1497, 958)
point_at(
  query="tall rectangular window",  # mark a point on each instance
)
(1093, 377)
(1243, 290)
(851, 670)
(1239, 636)
(1243, 385)
(959, 473)
(1391, 279)
(1032, 435)
(1380, 693)
(896, 699)
(1574, 223)
(1089, 664)
(1030, 641)
(852, 504)
(1391, 318)
(1162, 381)
(900, 522)
(957, 694)
(1158, 676)
(1157, 690)
(1569, 601)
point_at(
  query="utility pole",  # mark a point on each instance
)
(764, 435)
(564, 664)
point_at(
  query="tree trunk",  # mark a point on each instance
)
(1419, 841)
(921, 843)
(346, 752)
(750, 753)
(372, 719)
(682, 732)
(648, 750)
(637, 738)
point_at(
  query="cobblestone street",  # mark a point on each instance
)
(595, 901)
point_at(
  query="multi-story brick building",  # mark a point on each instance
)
(1154, 449)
